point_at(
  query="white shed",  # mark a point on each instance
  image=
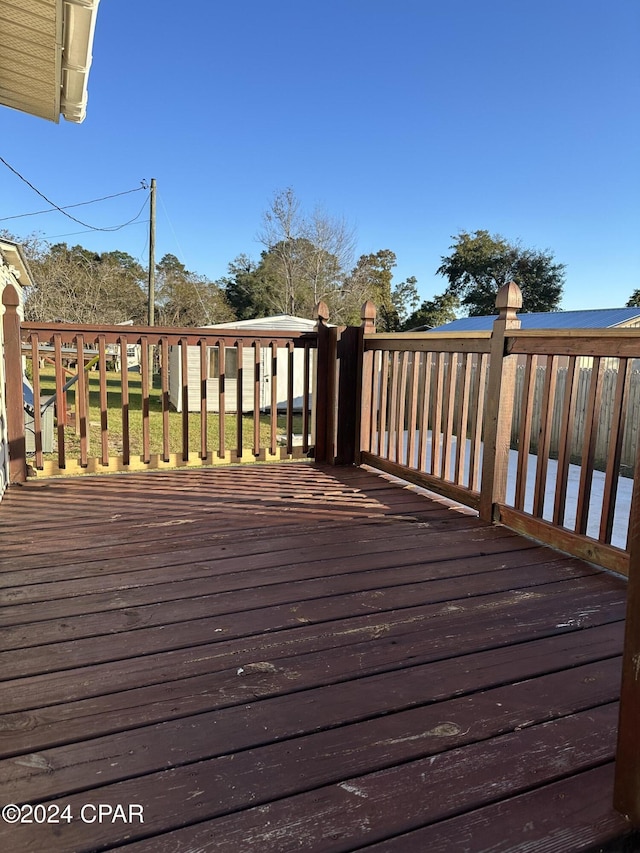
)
(276, 323)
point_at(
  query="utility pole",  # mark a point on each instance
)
(152, 252)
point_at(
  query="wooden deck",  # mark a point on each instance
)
(284, 658)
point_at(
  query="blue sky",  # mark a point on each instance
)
(412, 119)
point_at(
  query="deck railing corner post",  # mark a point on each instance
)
(324, 388)
(368, 315)
(365, 378)
(499, 405)
(13, 385)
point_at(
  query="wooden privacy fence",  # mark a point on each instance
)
(109, 419)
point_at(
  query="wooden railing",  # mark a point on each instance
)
(434, 409)
(438, 409)
(574, 507)
(195, 396)
(423, 414)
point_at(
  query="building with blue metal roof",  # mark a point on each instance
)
(597, 318)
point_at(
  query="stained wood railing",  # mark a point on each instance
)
(434, 409)
(561, 499)
(423, 414)
(241, 397)
(438, 411)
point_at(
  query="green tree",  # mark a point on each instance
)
(481, 263)
(282, 231)
(372, 279)
(405, 300)
(184, 298)
(634, 299)
(305, 260)
(248, 289)
(287, 278)
(433, 312)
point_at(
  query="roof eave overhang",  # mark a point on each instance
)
(78, 29)
(13, 255)
(45, 56)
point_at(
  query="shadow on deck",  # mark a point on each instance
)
(280, 658)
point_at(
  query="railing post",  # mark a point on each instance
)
(365, 380)
(499, 405)
(324, 402)
(626, 792)
(350, 345)
(13, 386)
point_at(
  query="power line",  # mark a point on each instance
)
(180, 250)
(173, 230)
(60, 209)
(130, 222)
(69, 206)
(89, 230)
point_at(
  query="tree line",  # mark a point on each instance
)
(305, 258)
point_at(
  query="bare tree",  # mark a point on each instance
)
(306, 256)
(80, 286)
(282, 228)
(333, 242)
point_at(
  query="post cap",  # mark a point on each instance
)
(509, 296)
(368, 316)
(321, 313)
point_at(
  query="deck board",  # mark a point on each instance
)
(289, 657)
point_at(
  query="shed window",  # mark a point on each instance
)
(230, 363)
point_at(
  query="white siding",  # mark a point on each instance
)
(281, 322)
(231, 385)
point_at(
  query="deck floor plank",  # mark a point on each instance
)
(338, 817)
(340, 598)
(366, 643)
(291, 657)
(186, 608)
(256, 554)
(382, 740)
(76, 722)
(569, 815)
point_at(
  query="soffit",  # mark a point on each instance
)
(45, 55)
